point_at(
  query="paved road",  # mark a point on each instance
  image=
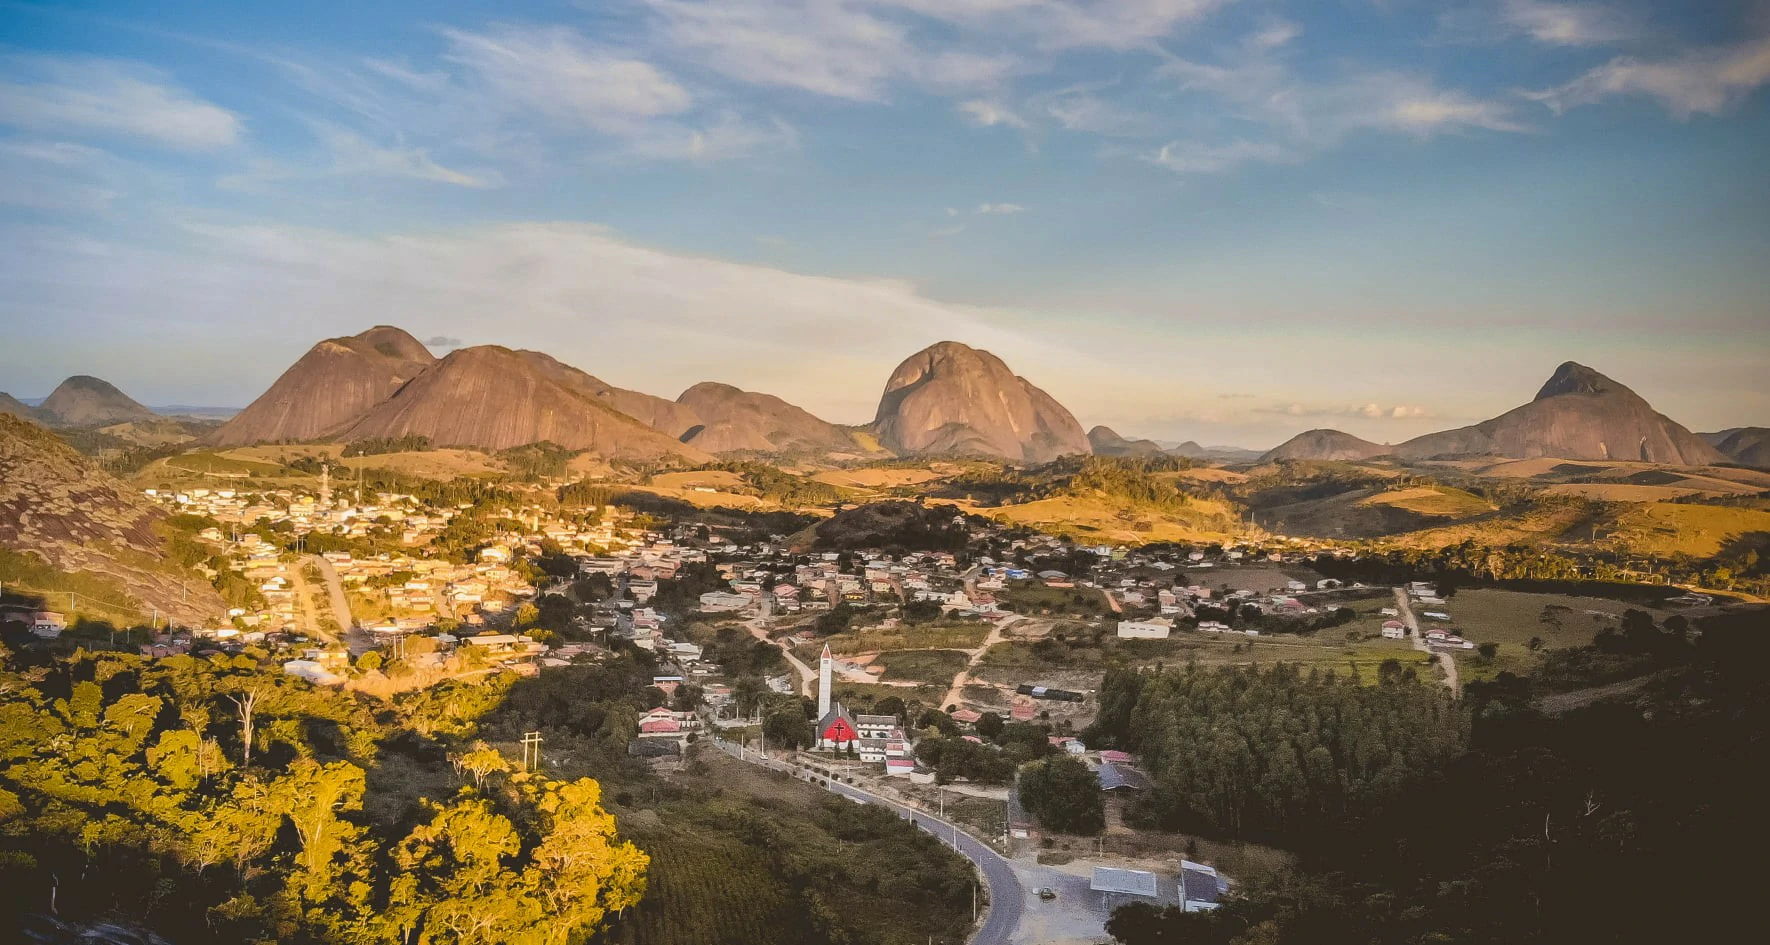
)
(1404, 604)
(1006, 895)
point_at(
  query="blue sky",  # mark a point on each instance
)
(1223, 220)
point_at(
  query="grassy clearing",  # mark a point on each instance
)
(859, 696)
(939, 635)
(712, 478)
(222, 464)
(1696, 530)
(929, 667)
(1433, 500)
(1095, 518)
(1031, 597)
(868, 479)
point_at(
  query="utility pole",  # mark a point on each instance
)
(531, 746)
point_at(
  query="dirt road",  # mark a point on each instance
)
(1404, 604)
(963, 678)
(807, 675)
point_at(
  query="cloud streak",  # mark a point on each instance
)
(1707, 81)
(108, 98)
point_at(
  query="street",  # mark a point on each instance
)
(1006, 895)
(1405, 604)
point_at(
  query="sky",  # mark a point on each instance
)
(1220, 220)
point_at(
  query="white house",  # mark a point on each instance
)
(1394, 630)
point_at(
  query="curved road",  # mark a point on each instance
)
(1006, 897)
(1404, 603)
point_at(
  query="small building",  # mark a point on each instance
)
(1112, 881)
(48, 624)
(1153, 629)
(1394, 630)
(1119, 778)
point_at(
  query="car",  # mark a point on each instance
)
(1045, 893)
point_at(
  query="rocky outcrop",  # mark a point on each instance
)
(732, 420)
(1107, 442)
(494, 398)
(954, 399)
(56, 505)
(1325, 445)
(1578, 414)
(330, 387)
(83, 401)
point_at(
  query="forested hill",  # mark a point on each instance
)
(1631, 820)
(223, 801)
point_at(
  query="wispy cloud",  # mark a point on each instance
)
(442, 341)
(57, 175)
(1705, 81)
(345, 153)
(1270, 112)
(1000, 209)
(1194, 157)
(556, 72)
(76, 96)
(1569, 24)
(1367, 411)
(985, 113)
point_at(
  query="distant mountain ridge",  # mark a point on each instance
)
(1577, 414)
(1748, 446)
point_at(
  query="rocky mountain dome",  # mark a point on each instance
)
(1107, 442)
(1325, 445)
(954, 399)
(331, 386)
(494, 398)
(1578, 414)
(731, 420)
(82, 401)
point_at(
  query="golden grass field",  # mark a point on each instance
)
(720, 479)
(1206, 474)
(1696, 530)
(1432, 500)
(1097, 519)
(882, 478)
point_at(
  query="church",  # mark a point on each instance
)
(874, 738)
(836, 730)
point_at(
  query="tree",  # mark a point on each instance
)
(246, 705)
(989, 725)
(370, 661)
(786, 728)
(1063, 794)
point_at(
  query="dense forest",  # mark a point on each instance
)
(1276, 754)
(219, 800)
(1632, 819)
